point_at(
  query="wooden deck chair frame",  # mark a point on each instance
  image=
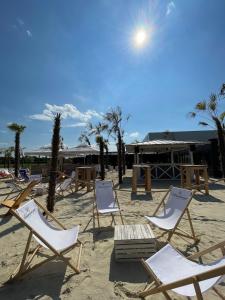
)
(61, 191)
(95, 213)
(180, 232)
(23, 194)
(28, 256)
(159, 287)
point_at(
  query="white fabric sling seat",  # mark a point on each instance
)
(105, 199)
(169, 267)
(105, 202)
(66, 184)
(169, 213)
(58, 239)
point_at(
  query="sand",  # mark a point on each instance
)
(101, 277)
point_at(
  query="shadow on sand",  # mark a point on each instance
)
(46, 281)
(132, 272)
(207, 198)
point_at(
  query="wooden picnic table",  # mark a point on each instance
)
(190, 172)
(85, 176)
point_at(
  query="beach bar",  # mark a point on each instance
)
(176, 152)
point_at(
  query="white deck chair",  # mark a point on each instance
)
(59, 241)
(66, 184)
(106, 202)
(187, 278)
(178, 200)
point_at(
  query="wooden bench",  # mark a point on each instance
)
(133, 242)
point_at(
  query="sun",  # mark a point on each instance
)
(140, 38)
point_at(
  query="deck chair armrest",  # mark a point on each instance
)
(206, 251)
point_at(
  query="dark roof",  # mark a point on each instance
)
(200, 135)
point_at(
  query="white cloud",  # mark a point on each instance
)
(81, 124)
(20, 22)
(170, 7)
(29, 34)
(3, 131)
(66, 111)
(134, 134)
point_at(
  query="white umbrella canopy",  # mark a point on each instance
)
(78, 151)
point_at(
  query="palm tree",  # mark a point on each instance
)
(210, 110)
(106, 148)
(98, 130)
(18, 129)
(115, 117)
(54, 163)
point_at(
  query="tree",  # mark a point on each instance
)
(210, 109)
(96, 130)
(106, 148)
(54, 163)
(18, 129)
(114, 117)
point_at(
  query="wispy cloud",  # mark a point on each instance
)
(170, 7)
(134, 134)
(66, 111)
(2, 131)
(20, 22)
(29, 34)
(20, 26)
(80, 124)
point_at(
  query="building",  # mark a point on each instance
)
(166, 150)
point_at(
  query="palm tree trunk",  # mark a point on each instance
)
(54, 164)
(102, 167)
(107, 159)
(123, 158)
(17, 153)
(221, 140)
(120, 170)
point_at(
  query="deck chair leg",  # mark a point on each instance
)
(191, 225)
(121, 217)
(98, 220)
(198, 291)
(20, 268)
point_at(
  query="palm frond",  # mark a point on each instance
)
(222, 91)
(192, 114)
(222, 116)
(201, 105)
(203, 124)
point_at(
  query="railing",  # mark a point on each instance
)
(165, 171)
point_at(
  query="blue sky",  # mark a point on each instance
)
(78, 57)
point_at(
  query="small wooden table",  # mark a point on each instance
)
(190, 171)
(85, 176)
(132, 242)
(147, 177)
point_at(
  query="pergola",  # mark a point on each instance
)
(163, 170)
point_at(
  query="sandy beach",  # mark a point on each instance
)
(101, 277)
